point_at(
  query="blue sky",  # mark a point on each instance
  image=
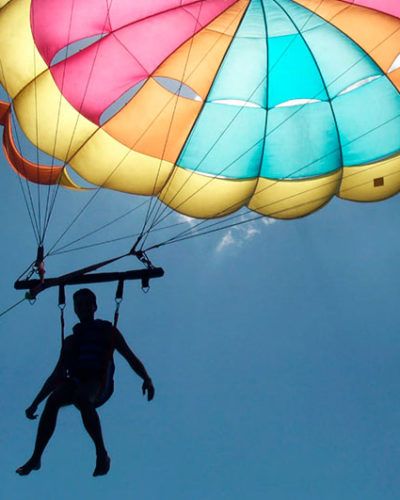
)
(274, 351)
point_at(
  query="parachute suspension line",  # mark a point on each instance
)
(119, 296)
(3, 313)
(177, 239)
(233, 216)
(118, 164)
(114, 170)
(347, 70)
(278, 212)
(29, 205)
(247, 198)
(185, 235)
(191, 231)
(47, 214)
(100, 228)
(61, 306)
(161, 209)
(170, 211)
(152, 205)
(240, 109)
(38, 190)
(107, 178)
(267, 87)
(107, 20)
(73, 221)
(62, 250)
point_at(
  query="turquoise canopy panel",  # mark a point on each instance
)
(289, 101)
(369, 121)
(301, 142)
(228, 138)
(226, 142)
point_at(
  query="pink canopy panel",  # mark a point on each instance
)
(98, 75)
(391, 7)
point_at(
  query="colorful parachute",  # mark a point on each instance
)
(211, 105)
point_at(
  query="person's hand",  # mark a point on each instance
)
(31, 412)
(149, 388)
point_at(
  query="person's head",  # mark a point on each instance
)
(85, 304)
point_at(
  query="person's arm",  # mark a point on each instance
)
(50, 384)
(134, 362)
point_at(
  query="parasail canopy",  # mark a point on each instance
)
(209, 105)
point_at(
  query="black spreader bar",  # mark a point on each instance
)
(36, 286)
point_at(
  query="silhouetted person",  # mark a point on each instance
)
(83, 377)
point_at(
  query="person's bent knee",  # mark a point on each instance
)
(54, 401)
(62, 396)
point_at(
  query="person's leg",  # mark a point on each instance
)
(84, 401)
(62, 396)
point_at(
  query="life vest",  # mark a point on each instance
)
(93, 347)
(92, 355)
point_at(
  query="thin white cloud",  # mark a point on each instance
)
(268, 221)
(226, 241)
(189, 220)
(250, 232)
(236, 236)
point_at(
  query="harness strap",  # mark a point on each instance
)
(119, 295)
(61, 305)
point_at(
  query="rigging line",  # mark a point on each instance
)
(150, 208)
(317, 66)
(114, 240)
(221, 221)
(97, 244)
(58, 117)
(160, 208)
(24, 273)
(365, 55)
(240, 109)
(129, 151)
(100, 228)
(191, 230)
(38, 190)
(5, 311)
(65, 162)
(23, 88)
(73, 221)
(257, 217)
(157, 203)
(107, 20)
(267, 85)
(31, 208)
(32, 215)
(245, 200)
(120, 162)
(249, 149)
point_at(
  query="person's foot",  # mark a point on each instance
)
(27, 468)
(103, 463)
